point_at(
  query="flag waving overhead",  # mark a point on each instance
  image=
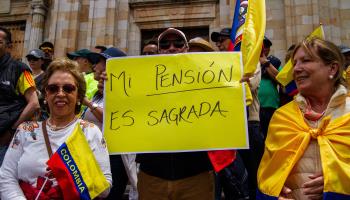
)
(237, 25)
(79, 177)
(253, 35)
(285, 76)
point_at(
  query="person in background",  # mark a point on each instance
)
(346, 53)
(100, 48)
(25, 165)
(185, 176)
(36, 62)
(284, 97)
(85, 66)
(150, 48)
(123, 166)
(233, 179)
(19, 101)
(49, 50)
(268, 91)
(307, 146)
(198, 44)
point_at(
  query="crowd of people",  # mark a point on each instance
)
(298, 146)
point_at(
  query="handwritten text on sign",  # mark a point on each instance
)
(170, 103)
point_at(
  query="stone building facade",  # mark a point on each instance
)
(75, 24)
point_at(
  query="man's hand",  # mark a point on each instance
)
(313, 189)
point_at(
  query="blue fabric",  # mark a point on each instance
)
(337, 196)
(262, 196)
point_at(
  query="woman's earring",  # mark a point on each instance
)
(45, 102)
(78, 103)
(330, 77)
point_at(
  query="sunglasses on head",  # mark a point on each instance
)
(46, 49)
(54, 88)
(32, 59)
(165, 44)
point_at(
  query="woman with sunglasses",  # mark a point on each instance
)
(24, 167)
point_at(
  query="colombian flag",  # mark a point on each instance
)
(285, 76)
(76, 169)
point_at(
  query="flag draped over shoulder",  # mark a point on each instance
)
(76, 169)
(285, 76)
(290, 138)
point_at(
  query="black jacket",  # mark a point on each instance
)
(11, 103)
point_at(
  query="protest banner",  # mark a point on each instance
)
(174, 103)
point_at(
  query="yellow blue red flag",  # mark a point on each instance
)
(79, 177)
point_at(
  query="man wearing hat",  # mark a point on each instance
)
(268, 92)
(48, 48)
(222, 39)
(150, 48)
(19, 101)
(185, 176)
(94, 113)
(198, 44)
(35, 58)
(85, 67)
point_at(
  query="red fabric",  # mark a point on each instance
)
(221, 158)
(48, 192)
(63, 177)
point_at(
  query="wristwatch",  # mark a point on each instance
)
(94, 106)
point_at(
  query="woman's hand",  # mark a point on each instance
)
(86, 101)
(286, 192)
(313, 189)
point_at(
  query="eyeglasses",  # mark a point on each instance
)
(47, 49)
(32, 59)
(222, 39)
(54, 88)
(165, 44)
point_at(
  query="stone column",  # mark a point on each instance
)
(39, 10)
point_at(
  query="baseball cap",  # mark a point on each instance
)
(215, 36)
(37, 53)
(111, 52)
(344, 49)
(79, 53)
(172, 31)
(200, 42)
(267, 42)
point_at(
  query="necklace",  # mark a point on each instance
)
(56, 128)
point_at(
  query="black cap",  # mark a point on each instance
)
(46, 44)
(267, 42)
(226, 32)
(37, 53)
(111, 52)
(79, 53)
(344, 49)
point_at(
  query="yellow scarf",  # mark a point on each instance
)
(289, 136)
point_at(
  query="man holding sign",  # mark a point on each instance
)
(188, 174)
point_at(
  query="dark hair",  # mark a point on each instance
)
(8, 34)
(70, 66)
(101, 47)
(325, 51)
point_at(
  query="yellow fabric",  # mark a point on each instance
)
(289, 136)
(253, 35)
(285, 76)
(24, 82)
(87, 164)
(248, 94)
(347, 76)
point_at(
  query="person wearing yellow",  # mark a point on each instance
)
(18, 101)
(307, 147)
(346, 53)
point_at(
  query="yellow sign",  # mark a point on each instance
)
(171, 103)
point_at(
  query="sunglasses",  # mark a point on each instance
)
(46, 49)
(165, 44)
(54, 88)
(222, 39)
(32, 59)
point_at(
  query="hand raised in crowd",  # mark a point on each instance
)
(285, 193)
(314, 188)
